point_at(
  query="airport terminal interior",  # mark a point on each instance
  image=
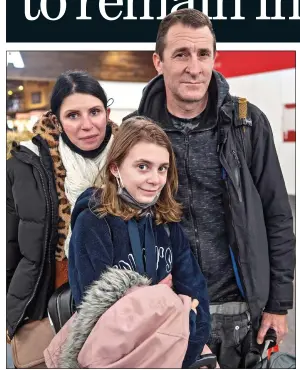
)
(265, 78)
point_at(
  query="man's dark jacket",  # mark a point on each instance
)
(258, 215)
(31, 234)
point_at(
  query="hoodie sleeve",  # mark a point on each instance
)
(189, 280)
(90, 252)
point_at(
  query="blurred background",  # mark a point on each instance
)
(265, 78)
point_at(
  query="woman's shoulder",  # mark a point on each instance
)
(30, 146)
(19, 161)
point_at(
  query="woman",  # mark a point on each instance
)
(135, 223)
(44, 178)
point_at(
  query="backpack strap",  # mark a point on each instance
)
(135, 242)
(243, 125)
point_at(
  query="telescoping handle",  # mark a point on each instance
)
(209, 360)
(270, 343)
(271, 336)
(270, 339)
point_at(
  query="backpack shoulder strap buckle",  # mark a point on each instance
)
(241, 112)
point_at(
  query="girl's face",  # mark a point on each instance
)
(144, 171)
(84, 120)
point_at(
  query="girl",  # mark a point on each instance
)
(134, 223)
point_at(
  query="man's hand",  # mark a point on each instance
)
(277, 322)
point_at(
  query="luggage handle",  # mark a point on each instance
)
(270, 343)
(271, 335)
(270, 338)
(209, 360)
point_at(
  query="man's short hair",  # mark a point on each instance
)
(187, 17)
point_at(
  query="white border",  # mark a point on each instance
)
(3, 171)
(141, 46)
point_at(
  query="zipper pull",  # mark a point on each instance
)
(223, 173)
(234, 153)
(222, 141)
(186, 145)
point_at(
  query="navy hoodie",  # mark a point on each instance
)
(97, 243)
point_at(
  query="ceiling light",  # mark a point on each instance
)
(21, 88)
(9, 92)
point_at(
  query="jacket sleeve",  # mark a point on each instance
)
(268, 179)
(90, 252)
(189, 280)
(13, 254)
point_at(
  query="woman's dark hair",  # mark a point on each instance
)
(72, 82)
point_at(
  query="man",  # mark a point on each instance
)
(236, 210)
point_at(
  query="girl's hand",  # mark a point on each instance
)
(194, 305)
(167, 280)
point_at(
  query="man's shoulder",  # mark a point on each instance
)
(259, 120)
(254, 110)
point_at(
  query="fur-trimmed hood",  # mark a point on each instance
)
(123, 322)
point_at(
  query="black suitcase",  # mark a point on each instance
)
(61, 307)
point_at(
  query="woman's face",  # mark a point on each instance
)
(84, 119)
(144, 171)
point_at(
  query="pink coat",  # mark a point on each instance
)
(124, 323)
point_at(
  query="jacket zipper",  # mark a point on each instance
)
(241, 128)
(186, 160)
(236, 158)
(237, 175)
(44, 255)
(233, 227)
(186, 141)
(51, 204)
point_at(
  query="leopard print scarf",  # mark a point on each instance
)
(48, 127)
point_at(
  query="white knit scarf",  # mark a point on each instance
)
(81, 174)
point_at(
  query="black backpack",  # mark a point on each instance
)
(61, 307)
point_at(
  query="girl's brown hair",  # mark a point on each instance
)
(131, 132)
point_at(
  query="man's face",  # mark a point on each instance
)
(187, 64)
